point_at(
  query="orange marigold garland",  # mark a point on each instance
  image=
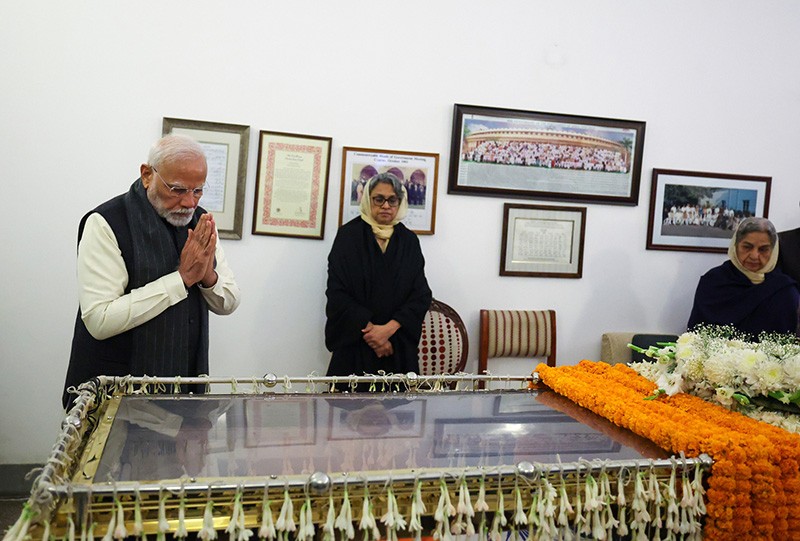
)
(754, 487)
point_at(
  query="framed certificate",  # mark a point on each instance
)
(225, 146)
(417, 171)
(542, 240)
(291, 185)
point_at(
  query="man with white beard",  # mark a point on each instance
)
(149, 269)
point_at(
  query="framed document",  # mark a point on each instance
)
(226, 148)
(542, 240)
(418, 171)
(291, 185)
(513, 153)
(692, 211)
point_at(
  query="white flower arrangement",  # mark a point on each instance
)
(717, 363)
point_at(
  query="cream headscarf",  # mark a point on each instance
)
(383, 232)
(758, 276)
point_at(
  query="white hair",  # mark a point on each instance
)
(174, 147)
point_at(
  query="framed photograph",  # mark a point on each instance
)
(291, 185)
(378, 419)
(541, 240)
(285, 421)
(226, 147)
(508, 152)
(418, 171)
(698, 212)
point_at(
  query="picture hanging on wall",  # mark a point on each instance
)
(417, 171)
(291, 185)
(226, 147)
(698, 212)
(540, 240)
(508, 152)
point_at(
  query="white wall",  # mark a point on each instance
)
(84, 86)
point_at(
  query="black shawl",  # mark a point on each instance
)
(367, 285)
(726, 296)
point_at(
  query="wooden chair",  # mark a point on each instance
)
(516, 333)
(444, 345)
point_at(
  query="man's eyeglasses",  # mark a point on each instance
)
(179, 191)
(379, 200)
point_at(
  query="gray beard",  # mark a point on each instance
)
(174, 218)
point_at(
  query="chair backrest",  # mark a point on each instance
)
(444, 345)
(517, 333)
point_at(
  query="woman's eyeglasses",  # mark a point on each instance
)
(379, 200)
(179, 191)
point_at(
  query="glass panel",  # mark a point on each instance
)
(155, 437)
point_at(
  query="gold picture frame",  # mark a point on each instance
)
(226, 147)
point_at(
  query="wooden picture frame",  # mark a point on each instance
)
(418, 171)
(510, 152)
(291, 185)
(541, 240)
(693, 211)
(226, 148)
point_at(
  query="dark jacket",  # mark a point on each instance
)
(366, 285)
(726, 296)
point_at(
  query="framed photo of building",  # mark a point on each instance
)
(417, 171)
(508, 152)
(541, 240)
(291, 185)
(226, 147)
(695, 211)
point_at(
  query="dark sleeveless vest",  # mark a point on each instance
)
(174, 343)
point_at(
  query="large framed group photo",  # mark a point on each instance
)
(696, 211)
(508, 152)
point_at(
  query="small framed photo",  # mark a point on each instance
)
(508, 152)
(541, 240)
(226, 147)
(291, 185)
(693, 211)
(418, 171)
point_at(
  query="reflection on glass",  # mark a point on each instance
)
(155, 438)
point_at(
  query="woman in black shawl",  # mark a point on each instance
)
(747, 291)
(377, 292)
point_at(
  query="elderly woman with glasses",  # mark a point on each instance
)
(377, 291)
(747, 291)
